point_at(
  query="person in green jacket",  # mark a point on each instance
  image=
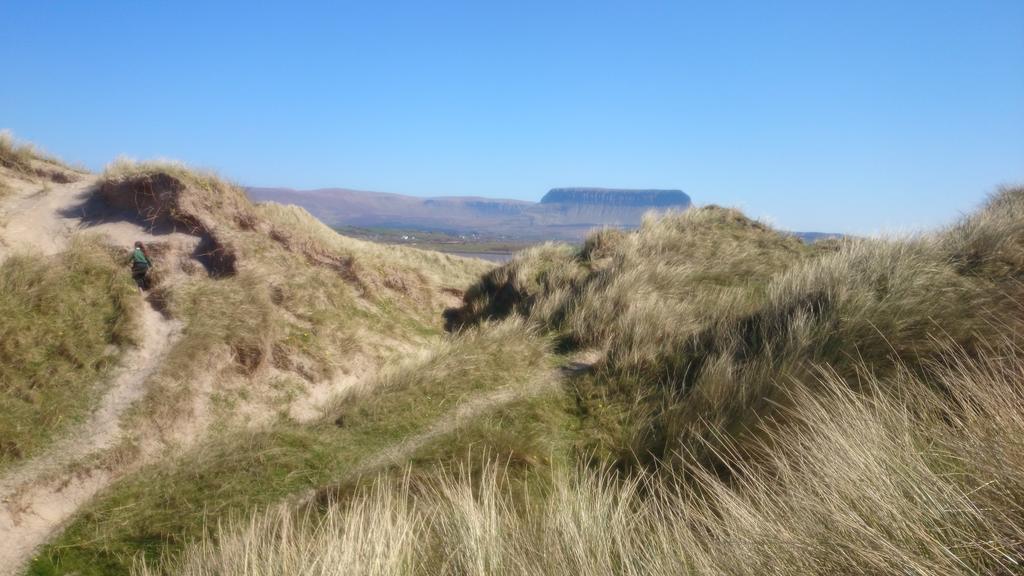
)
(140, 266)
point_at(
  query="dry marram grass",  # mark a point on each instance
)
(898, 479)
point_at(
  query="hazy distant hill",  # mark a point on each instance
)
(563, 213)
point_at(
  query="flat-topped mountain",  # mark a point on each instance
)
(617, 197)
(563, 213)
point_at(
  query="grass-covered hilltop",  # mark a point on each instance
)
(703, 395)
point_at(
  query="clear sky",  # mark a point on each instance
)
(853, 116)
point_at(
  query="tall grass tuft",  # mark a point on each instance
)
(26, 161)
(16, 156)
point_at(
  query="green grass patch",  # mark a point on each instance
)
(59, 315)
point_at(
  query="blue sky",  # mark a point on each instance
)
(840, 116)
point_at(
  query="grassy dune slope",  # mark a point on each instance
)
(857, 484)
(159, 509)
(756, 404)
(283, 303)
(760, 406)
(66, 318)
(274, 305)
(706, 317)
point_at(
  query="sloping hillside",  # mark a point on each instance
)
(701, 395)
(731, 402)
(705, 317)
(258, 314)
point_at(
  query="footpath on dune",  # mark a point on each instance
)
(282, 315)
(465, 411)
(38, 496)
(43, 221)
(36, 221)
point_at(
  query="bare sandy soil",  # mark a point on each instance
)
(42, 218)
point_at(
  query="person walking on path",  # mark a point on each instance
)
(140, 266)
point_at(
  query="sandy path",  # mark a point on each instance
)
(43, 220)
(39, 496)
(35, 218)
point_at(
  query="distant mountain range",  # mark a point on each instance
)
(562, 214)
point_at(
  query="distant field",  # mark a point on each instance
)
(494, 248)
